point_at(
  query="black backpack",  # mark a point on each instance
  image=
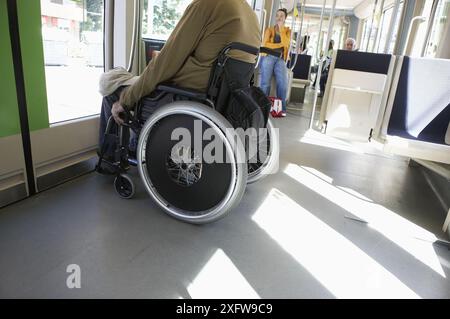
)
(247, 108)
(242, 104)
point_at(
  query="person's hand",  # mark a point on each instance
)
(155, 54)
(116, 110)
(280, 26)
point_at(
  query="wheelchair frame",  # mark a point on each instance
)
(201, 106)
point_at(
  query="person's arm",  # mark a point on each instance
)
(289, 34)
(180, 45)
(267, 43)
(155, 54)
(286, 37)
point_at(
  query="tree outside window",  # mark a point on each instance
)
(161, 17)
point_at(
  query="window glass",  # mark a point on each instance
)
(310, 29)
(421, 32)
(365, 34)
(385, 21)
(72, 32)
(438, 28)
(161, 16)
(372, 33)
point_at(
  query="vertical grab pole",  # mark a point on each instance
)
(320, 29)
(135, 34)
(371, 24)
(301, 24)
(302, 18)
(378, 28)
(108, 35)
(319, 70)
(391, 26)
(430, 25)
(292, 30)
(420, 19)
(263, 16)
(299, 36)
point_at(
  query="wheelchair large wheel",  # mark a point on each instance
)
(267, 161)
(175, 166)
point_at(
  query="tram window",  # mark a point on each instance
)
(343, 34)
(385, 21)
(372, 32)
(311, 28)
(365, 37)
(371, 44)
(161, 16)
(438, 28)
(72, 33)
(421, 32)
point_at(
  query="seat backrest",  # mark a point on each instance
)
(420, 104)
(302, 67)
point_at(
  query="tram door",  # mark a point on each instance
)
(51, 59)
(53, 53)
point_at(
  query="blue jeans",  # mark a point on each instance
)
(272, 65)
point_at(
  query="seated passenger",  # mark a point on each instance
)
(304, 47)
(277, 38)
(326, 68)
(186, 59)
(350, 44)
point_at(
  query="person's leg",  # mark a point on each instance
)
(281, 77)
(105, 114)
(266, 71)
(323, 83)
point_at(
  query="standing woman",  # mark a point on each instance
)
(277, 38)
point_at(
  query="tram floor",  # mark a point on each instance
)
(294, 234)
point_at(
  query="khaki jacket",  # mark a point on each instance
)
(205, 28)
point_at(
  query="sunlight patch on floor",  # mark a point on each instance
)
(220, 279)
(394, 227)
(339, 265)
(313, 137)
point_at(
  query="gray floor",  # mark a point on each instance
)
(289, 237)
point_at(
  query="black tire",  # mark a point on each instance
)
(196, 192)
(124, 186)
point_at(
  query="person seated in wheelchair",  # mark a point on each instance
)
(186, 59)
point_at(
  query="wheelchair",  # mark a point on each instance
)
(177, 177)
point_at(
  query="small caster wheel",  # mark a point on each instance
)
(124, 186)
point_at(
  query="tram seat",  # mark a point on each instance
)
(174, 171)
(405, 105)
(299, 79)
(421, 109)
(417, 117)
(356, 93)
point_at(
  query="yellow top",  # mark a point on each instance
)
(205, 28)
(285, 34)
